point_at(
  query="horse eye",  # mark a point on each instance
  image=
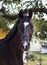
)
(20, 29)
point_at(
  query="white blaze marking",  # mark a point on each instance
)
(27, 14)
(25, 32)
(26, 23)
(25, 44)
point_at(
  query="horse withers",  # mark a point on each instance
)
(17, 41)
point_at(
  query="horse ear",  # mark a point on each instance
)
(30, 13)
(21, 13)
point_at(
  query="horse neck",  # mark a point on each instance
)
(14, 44)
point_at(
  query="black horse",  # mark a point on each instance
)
(16, 41)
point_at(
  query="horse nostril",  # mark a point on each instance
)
(28, 44)
(23, 47)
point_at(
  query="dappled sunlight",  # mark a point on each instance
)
(2, 34)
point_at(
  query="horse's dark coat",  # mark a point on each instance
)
(6, 54)
(10, 46)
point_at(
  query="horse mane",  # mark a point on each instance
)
(10, 35)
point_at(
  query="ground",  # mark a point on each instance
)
(36, 60)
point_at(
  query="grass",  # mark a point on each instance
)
(37, 55)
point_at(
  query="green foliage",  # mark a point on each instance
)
(40, 26)
(32, 57)
(4, 22)
(10, 1)
(30, 3)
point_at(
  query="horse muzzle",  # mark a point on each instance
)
(25, 44)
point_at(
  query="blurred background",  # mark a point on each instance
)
(37, 54)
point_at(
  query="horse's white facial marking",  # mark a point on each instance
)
(25, 44)
(26, 14)
(25, 34)
(26, 24)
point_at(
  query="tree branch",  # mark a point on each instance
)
(7, 16)
(12, 17)
(44, 10)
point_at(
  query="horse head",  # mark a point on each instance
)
(25, 29)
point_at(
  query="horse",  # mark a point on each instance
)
(17, 41)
